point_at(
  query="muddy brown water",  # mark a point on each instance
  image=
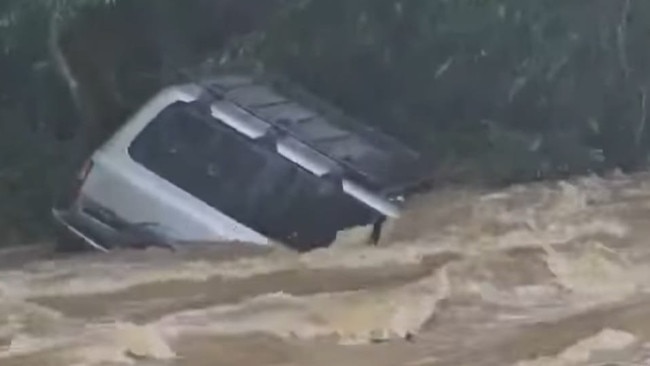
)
(535, 275)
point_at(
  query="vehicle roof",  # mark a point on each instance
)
(361, 153)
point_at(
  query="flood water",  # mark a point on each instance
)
(541, 274)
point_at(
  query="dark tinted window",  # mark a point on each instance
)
(244, 179)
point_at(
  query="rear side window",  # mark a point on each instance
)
(186, 146)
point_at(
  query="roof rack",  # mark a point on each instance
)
(378, 161)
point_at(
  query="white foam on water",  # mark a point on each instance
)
(526, 254)
(355, 317)
(95, 278)
(581, 353)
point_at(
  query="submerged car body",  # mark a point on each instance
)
(235, 159)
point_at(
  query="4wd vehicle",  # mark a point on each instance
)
(237, 159)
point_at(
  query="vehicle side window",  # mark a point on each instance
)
(183, 147)
(242, 179)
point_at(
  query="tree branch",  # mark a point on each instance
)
(63, 68)
(622, 38)
(640, 131)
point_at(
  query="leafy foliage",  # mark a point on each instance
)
(492, 91)
(520, 89)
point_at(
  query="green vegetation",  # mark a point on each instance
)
(493, 91)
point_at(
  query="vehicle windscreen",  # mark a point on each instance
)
(244, 179)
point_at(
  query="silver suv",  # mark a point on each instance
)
(235, 159)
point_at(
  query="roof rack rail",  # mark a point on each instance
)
(378, 161)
